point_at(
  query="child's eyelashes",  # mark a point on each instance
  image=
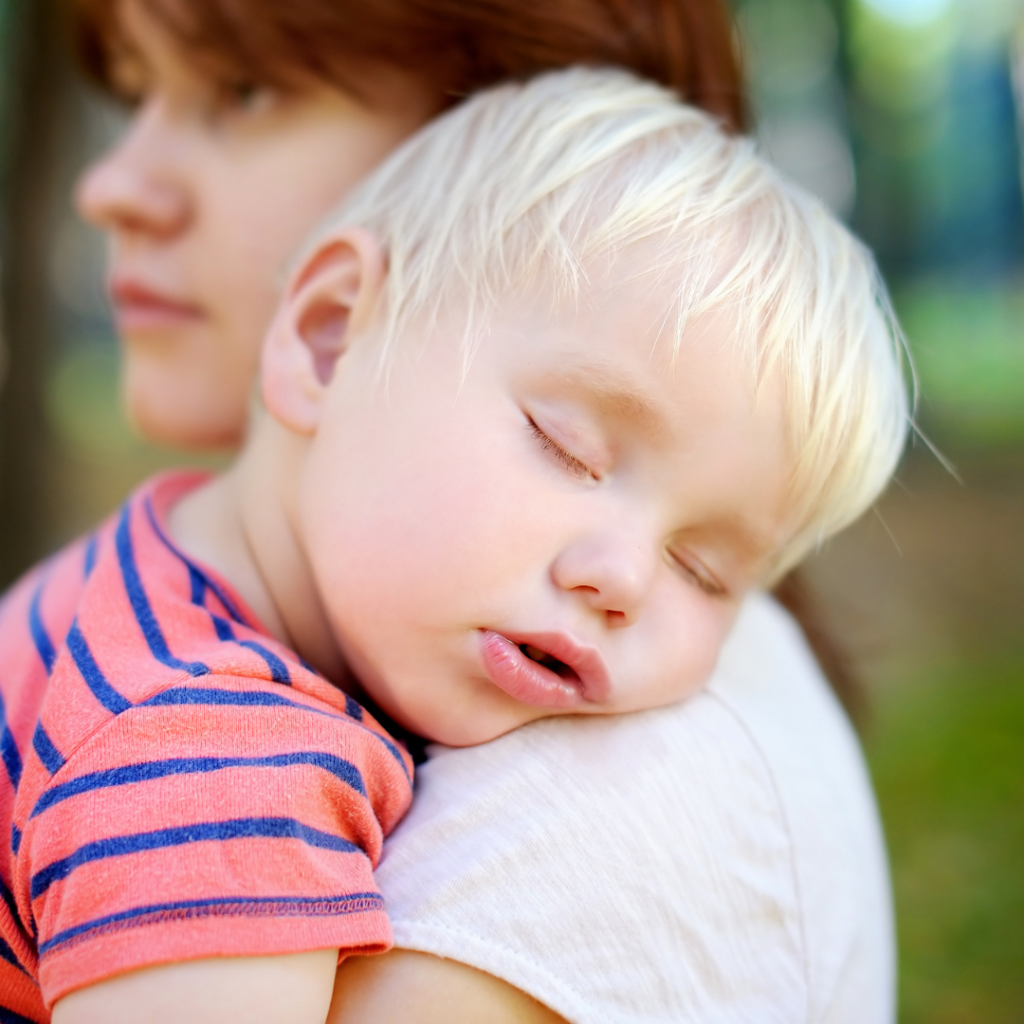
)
(575, 466)
(698, 575)
(685, 563)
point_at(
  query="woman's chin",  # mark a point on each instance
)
(166, 408)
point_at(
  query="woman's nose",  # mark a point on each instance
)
(137, 186)
(611, 574)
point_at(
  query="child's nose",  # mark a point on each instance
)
(136, 186)
(611, 574)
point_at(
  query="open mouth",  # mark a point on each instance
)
(531, 669)
(549, 662)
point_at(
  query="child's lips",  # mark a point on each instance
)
(582, 678)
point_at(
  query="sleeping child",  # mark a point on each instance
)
(566, 378)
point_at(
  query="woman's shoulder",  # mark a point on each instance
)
(715, 860)
(769, 682)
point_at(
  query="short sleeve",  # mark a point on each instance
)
(214, 819)
(666, 866)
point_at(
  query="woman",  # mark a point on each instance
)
(716, 861)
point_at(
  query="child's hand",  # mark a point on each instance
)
(290, 989)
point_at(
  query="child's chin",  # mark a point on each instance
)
(471, 734)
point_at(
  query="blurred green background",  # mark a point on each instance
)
(904, 116)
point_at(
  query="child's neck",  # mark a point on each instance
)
(241, 525)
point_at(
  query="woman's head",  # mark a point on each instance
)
(254, 118)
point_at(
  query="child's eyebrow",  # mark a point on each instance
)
(615, 394)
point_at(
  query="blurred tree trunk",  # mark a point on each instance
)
(33, 68)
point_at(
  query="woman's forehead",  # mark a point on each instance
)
(134, 32)
(237, 38)
(455, 48)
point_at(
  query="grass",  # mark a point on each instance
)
(948, 762)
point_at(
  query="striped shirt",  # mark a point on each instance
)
(176, 783)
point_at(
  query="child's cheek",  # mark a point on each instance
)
(390, 493)
(686, 630)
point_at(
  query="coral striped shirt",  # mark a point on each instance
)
(176, 783)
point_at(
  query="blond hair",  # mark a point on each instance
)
(534, 182)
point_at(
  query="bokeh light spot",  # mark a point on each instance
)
(908, 12)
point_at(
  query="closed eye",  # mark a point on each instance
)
(698, 576)
(571, 463)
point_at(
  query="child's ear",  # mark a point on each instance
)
(330, 298)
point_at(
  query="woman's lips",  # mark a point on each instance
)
(138, 308)
(583, 681)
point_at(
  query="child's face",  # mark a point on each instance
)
(208, 192)
(578, 495)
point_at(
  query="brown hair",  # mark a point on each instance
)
(455, 46)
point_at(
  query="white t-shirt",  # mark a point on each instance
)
(717, 861)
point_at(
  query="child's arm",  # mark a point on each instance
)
(291, 989)
(402, 987)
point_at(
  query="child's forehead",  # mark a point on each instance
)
(620, 348)
(690, 406)
(660, 285)
(623, 332)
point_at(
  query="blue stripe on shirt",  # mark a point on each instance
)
(278, 669)
(200, 695)
(8, 954)
(44, 645)
(207, 831)
(258, 698)
(9, 752)
(147, 771)
(8, 897)
(141, 607)
(199, 584)
(196, 582)
(10, 1017)
(195, 573)
(353, 709)
(90, 557)
(221, 626)
(51, 757)
(392, 749)
(90, 672)
(276, 906)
